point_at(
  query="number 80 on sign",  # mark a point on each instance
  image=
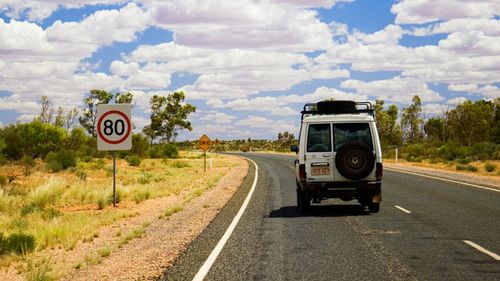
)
(114, 127)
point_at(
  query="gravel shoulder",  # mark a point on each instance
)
(488, 181)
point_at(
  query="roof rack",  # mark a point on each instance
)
(337, 107)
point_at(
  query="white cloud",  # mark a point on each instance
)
(456, 101)
(396, 89)
(462, 87)
(39, 10)
(245, 24)
(435, 109)
(423, 11)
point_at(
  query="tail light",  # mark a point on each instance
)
(302, 171)
(379, 172)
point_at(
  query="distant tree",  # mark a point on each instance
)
(387, 127)
(472, 122)
(47, 111)
(168, 116)
(140, 145)
(89, 113)
(124, 98)
(49, 116)
(285, 139)
(495, 130)
(435, 129)
(70, 118)
(411, 121)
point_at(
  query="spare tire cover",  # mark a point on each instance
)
(354, 161)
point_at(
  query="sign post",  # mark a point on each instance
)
(114, 132)
(204, 143)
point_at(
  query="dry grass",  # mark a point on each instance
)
(481, 166)
(61, 209)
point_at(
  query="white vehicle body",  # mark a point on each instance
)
(339, 156)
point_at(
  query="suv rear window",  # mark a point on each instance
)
(319, 138)
(359, 132)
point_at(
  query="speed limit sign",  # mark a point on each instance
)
(114, 127)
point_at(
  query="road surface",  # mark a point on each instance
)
(427, 229)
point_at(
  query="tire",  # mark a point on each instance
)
(303, 201)
(354, 161)
(374, 207)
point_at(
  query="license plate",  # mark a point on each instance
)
(320, 171)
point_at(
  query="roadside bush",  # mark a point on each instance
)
(470, 168)
(35, 139)
(28, 163)
(140, 145)
(61, 160)
(465, 160)
(179, 164)
(133, 160)
(3, 180)
(164, 150)
(18, 243)
(244, 148)
(489, 167)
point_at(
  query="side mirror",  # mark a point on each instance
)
(294, 148)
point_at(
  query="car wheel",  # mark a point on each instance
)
(303, 201)
(354, 161)
(374, 207)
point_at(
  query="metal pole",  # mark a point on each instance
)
(205, 160)
(114, 180)
(396, 155)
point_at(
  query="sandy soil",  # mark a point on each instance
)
(147, 257)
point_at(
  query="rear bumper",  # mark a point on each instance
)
(370, 190)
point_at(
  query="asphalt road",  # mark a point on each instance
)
(418, 234)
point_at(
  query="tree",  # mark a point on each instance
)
(70, 118)
(124, 98)
(47, 111)
(168, 116)
(89, 114)
(435, 129)
(472, 122)
(285, 139)
(387, 127)
(411, 121)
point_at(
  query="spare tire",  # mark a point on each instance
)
(354, 161)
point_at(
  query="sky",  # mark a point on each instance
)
(249, 66)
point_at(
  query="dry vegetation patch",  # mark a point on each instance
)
(70, 214)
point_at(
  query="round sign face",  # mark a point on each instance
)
(114, 127)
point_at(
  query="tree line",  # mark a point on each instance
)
(62, 136)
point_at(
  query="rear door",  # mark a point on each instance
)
(319, 152)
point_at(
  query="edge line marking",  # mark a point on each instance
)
(205, 268)
(443, 179)
(482, 250)
(402, 209)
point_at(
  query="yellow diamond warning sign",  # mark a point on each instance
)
(204, 143)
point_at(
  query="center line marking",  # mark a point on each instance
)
(402, 209)
(482, 250)
(218, 248)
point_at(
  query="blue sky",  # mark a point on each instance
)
(248, 65)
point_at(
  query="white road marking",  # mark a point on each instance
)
(202, 272)
(482, 250)
(438, 178)
(402, 209)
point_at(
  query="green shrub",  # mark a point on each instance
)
(99, 164)
(133, 160)
(81, 175)
(465, 160)
(470, 168)
(61, 160)
(87, 158)
(144, 178)
(244, 148)
(179, 164)
(489, 167)
(164, 150)
(142, 195)
(3, 180)
(18, 243)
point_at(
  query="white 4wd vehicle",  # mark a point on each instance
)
(339, 154)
